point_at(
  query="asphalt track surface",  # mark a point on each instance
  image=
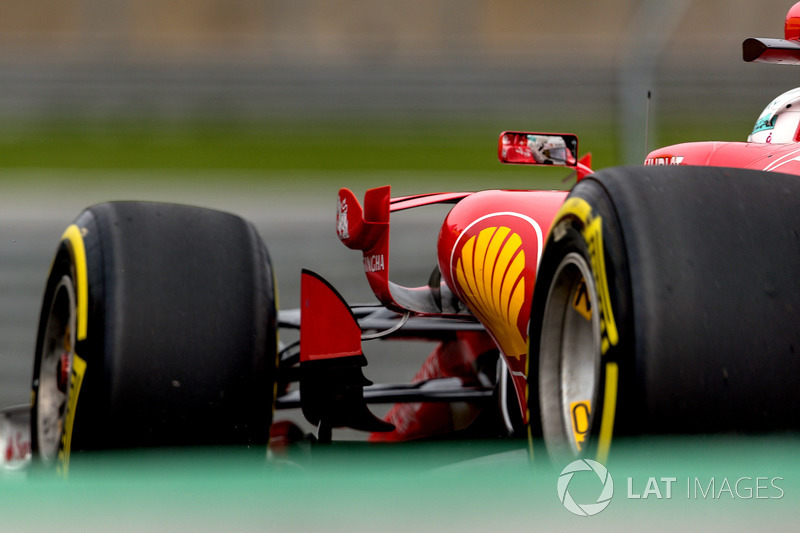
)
(295, 215)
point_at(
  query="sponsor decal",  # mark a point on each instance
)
(664, 160)
(494, 266)
(490, 273)
(74, 237)
(592, 231)
(580, 414)
(342, 228)
(581, 302)
(593, 235)
(374, 263)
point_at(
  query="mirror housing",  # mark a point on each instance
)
(532, 148)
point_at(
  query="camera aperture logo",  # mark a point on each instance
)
(601, 478)
(585, 488)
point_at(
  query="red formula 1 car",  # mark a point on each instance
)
(662, 298)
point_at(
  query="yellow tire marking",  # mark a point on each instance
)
(580, 413)
(76, 380)
(581, 302)
(527, 396)
(609, 412)
(73, 236)
(593, 235)
(592, 231)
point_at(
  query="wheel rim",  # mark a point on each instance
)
(569, 358)
(55, 369)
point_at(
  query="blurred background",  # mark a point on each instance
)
(156, 72)
(266, 107)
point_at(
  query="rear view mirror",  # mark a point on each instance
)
(527, 148)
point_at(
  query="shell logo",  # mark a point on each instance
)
(495, 277)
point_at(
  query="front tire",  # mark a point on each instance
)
(158, 328)
(666, 302)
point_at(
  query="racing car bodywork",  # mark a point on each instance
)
(488, 250)
(651, 299)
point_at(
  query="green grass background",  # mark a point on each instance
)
(462, 148)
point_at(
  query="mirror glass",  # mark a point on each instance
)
(529, 148)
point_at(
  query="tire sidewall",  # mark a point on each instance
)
(586, 225)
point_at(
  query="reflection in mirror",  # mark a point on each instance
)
(527, 148)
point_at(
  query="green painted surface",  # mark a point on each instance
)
(440, 486)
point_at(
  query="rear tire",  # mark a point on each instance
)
(667, 302)
(158, 328)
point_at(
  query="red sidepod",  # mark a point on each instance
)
(757, 156)
(489, 249)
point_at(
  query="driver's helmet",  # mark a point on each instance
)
(780, 120)
(547, 149)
